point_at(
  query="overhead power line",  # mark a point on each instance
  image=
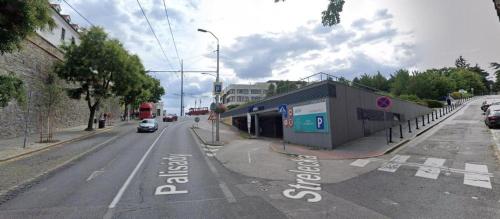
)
(153, 31)
(74, 9)
(171, 33)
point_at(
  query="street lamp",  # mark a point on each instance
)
(216, 81)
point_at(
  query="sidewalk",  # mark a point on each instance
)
(371, 146)
(226, 132)
(13, 147)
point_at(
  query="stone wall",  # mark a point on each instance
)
(32, 64)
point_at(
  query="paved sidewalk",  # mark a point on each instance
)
(226, 132)
(13, 147)
(371, 146)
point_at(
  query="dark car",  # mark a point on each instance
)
(147, 125)
(170, 118)
(492, 118)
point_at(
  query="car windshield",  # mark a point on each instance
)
(147, 121)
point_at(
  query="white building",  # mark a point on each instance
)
(237, 94)
(63, 32)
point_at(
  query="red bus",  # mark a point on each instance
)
(146, 111)
(198, 111)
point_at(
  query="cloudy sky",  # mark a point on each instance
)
(262, 40)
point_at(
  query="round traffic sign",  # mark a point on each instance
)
(384, 102)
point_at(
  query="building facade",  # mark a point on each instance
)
(497, 7)
(63, 32)
(237, 94)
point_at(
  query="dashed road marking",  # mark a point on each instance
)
(472, 178)
(360, 162)
(433, 169)
(394, 163)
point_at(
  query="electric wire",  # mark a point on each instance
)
(74, 9)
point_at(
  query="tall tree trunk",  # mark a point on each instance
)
(125, 112)
(91, 119)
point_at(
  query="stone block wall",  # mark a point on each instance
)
(32, 64)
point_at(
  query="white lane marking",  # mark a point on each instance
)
(394, 163)
(131, 176)
(229, 196)
(431, 172)
(478, 180)
(94, 174)
(360, 162)
(248, 153)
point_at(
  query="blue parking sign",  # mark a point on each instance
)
(320, 122)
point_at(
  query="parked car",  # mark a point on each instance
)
(492, 118)
(147, 125)
(170, 118)
(486, 105)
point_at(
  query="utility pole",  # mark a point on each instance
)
(217, 138)
(182, 87)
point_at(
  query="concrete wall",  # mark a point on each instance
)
(345, 123)
(322, 140)
(31, 64)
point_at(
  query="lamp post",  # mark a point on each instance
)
(216, 81)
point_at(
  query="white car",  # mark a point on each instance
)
(148, 125)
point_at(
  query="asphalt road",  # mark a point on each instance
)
(121, 181)
(167, 174)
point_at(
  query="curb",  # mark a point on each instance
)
(203, 141)
(14, 190)
(56, 144)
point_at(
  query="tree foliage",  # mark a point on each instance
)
(99, 68)
(19, 19)
(11, 88)
(330, 16)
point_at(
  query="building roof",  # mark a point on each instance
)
(65, 17)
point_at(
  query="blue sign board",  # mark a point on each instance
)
(310, 118)
(283, 109)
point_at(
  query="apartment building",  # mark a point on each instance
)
(237, 94)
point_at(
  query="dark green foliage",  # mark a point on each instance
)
(11, 88)
(434, 103)
(230, 107)
(330, 16)
(19, 19)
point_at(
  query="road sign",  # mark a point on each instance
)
(197, 119)
(384, 103)
(283, 110)
(217, 88)
(212, 116)
(213, 106)
(320, 122)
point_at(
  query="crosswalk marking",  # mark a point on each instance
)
(431, 169)
(394, 163)
(476, 178)
(360, 162)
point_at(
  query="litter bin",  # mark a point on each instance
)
(102, 123)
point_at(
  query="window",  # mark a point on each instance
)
(230, 91)
(63, 33)
(72, 40)
(255, 91)
(256, 98)
(242, 91)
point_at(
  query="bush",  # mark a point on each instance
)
(230, 107)
(456, 95)
(433, 103)
(412, 98)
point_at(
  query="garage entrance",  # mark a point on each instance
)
(270, 124)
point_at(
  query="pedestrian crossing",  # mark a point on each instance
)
(211, 151)
(474, 174)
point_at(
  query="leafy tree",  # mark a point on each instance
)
(430, 84)
(19, 19)
(271, 90)
(466, 79)
(377, 81)
(331, 16)
(94, 67)
(11, 88)
(496, 66)
(461, 63)
(50, 96)
(400, 82)
(482, 73)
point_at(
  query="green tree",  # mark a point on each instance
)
(93, 66)
(496, 66)
(400, 82)
(377, 81)
(51, 94)
(330, 16)
(430, 84)
(21, 18)
(271, 90)
(466, 79)
(11, 88)
(461, 63)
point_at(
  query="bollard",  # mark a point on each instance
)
(390, 135)
(440, 112)
(400, 131)
(432, 113)
(423, 120)
(428, 121)
(416, 122)
(409, 126)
